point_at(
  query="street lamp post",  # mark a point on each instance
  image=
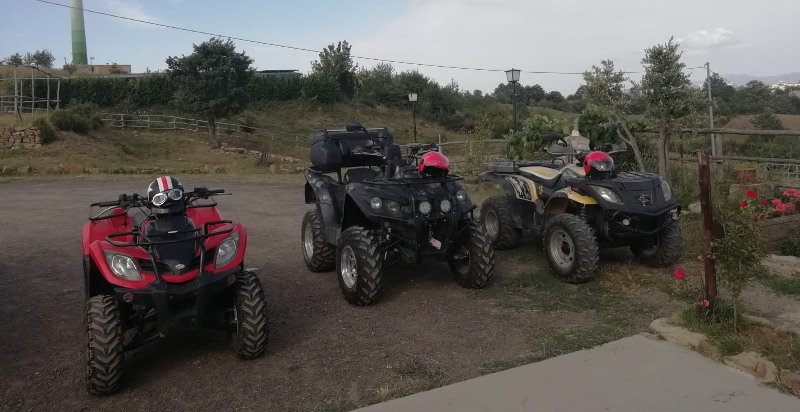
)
(513, 77)
(412, 97)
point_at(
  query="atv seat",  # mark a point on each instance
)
(167, 228)
(395, 164)
(547, 176)
(578, 170)
(360, 174)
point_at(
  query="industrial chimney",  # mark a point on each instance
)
(78, 34)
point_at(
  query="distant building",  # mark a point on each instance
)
(279, 73)
(784, 85)
(103, 69)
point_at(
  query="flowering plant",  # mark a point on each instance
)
(688, 289)
(761, 208)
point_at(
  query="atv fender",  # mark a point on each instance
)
(517, 207)
(558, 202)
(498, 180)
(354, 213)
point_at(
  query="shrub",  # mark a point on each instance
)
(47, 134)
(78, 118)
(792, 246)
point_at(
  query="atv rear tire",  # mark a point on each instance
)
(359, 264)
(571, 248)
(664, 249)
(105, 353)
(250, 317)
(496, 217)
(320, 256)
(472, 259)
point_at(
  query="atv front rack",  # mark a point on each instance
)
(149, 242)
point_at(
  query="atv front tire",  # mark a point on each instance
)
(250, 320)
(663, 249)
(496, 217)
(571, 248)
(320, 256)
(105, 351)
(472, 259)
(359, 264)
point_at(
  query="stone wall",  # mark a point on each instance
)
(14, 137)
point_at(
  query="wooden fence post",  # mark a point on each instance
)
(710, 274)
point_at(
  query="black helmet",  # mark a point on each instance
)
(165, 195)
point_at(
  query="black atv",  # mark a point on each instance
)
(387, 207)
(582, 206)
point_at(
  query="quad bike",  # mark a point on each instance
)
(579, 207)
(387, 207)
(161, 264)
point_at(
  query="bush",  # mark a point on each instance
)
(792, 246)
(79, 118)
(47, 134)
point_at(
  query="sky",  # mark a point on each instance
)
(562, 36)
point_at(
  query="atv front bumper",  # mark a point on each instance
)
(183, 306)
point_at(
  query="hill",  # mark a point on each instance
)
(112, 150)
(742, 79)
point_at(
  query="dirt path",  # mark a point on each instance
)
(323, 354)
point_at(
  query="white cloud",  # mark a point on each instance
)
(716, 39)
(132, 11)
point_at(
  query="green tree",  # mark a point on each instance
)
(527, 142)
(723, 94)
(42, 58)
(767, 121)
(670, 100)
(14, 60)
(605, 89)
(211, 82)
(336, 63)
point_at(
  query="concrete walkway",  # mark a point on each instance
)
(638, 373)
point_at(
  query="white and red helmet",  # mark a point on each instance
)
(434, 164)
(165, 195)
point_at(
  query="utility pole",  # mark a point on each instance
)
(711, 110)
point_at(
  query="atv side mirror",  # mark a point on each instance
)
(354, 127)
(612, 148)
(551, 137)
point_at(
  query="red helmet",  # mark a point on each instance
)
(434, 164)
(599, 162)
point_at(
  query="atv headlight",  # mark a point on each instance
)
(445, 206)
(607, 194)
(393, 207)
(461, 195)
(666, 190)
(425, 208)
(227, 250)
(123, 266)
(376, 203)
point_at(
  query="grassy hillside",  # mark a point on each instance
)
(113, 151)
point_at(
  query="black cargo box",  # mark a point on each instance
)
(332, 150)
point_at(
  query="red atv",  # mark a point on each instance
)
(162, 264)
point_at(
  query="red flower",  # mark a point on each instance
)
(789, 192)
(776, 201)
(763, 202)
(790, 206)
(704, 303)
(743, 204)
(797, 194)
(751, 194)
(780, 208)
(679, 273)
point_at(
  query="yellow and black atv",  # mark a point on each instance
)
(578, 207)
